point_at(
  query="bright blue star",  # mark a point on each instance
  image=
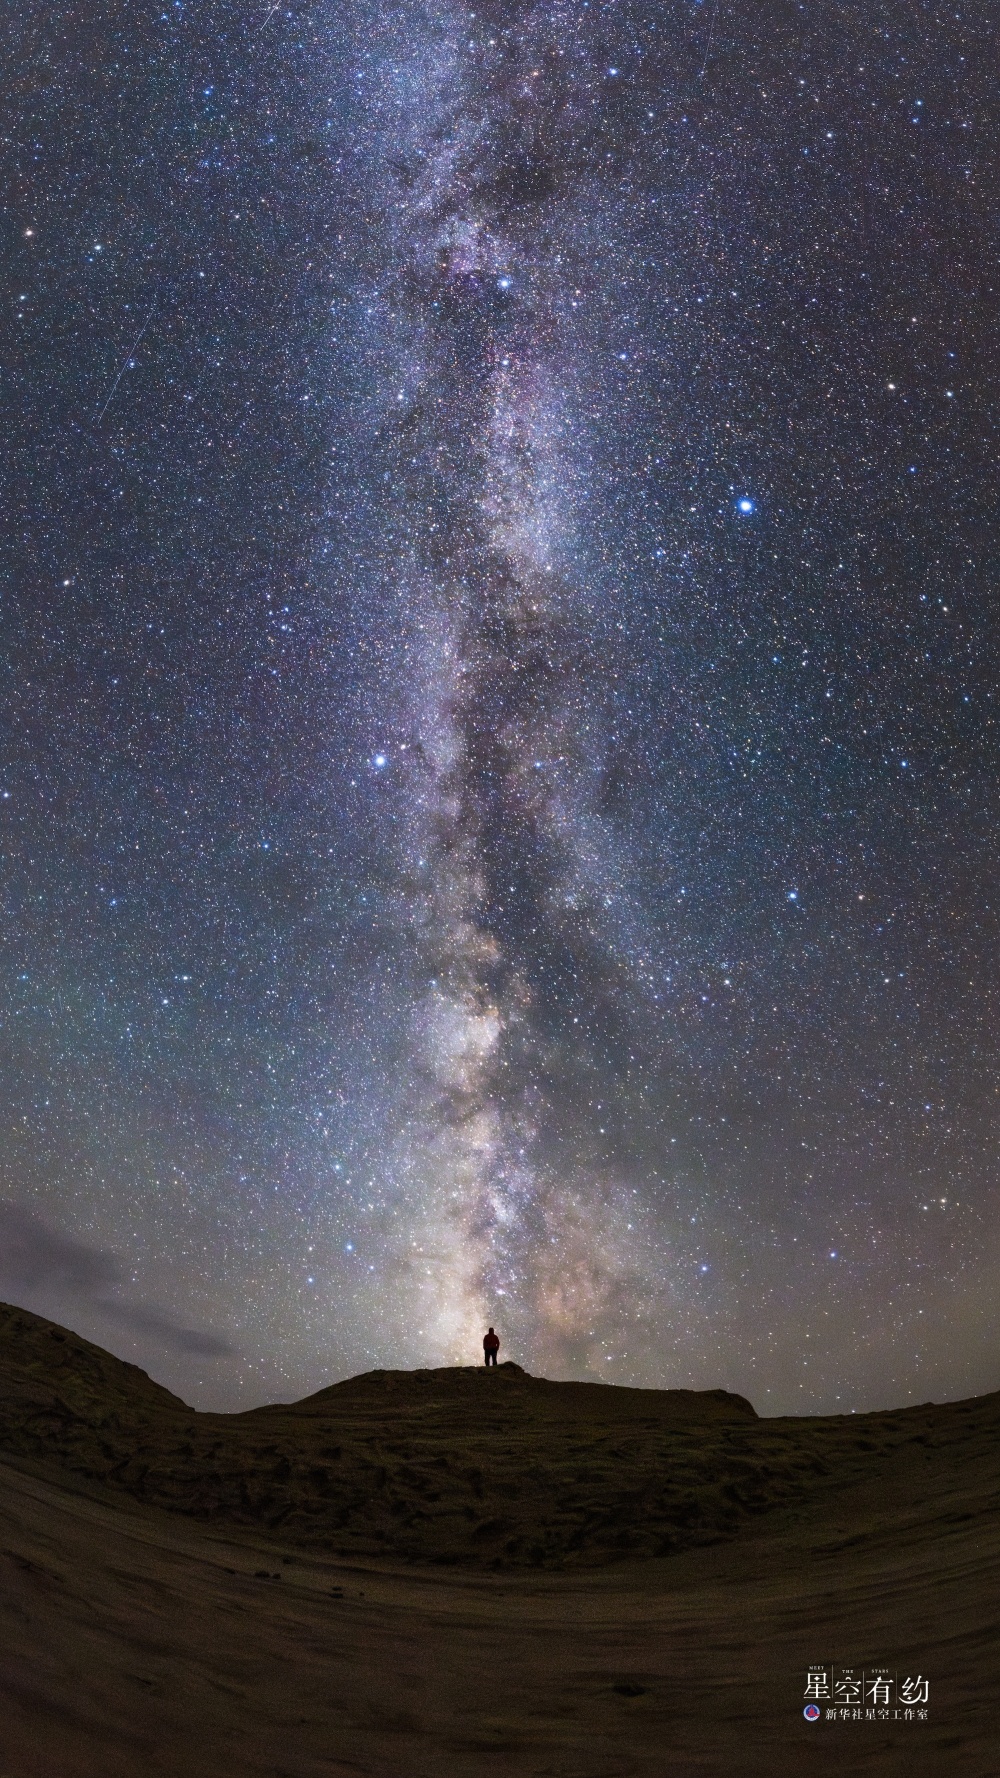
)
(746, 506)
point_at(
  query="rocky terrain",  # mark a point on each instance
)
(466, 1573)
(491, 1468)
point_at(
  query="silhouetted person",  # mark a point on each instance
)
(491, 1346)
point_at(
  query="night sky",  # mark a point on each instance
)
(499, 760)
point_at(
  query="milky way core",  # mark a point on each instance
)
(498, 784)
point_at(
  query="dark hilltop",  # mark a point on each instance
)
(461, 1465)
(480, 1574)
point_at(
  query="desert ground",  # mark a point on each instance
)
(493, 1575)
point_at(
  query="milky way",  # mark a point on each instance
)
(499, 771)
(517, 1215)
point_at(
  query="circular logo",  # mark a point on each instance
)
(811, 1713)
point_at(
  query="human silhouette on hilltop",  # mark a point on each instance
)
(491, 1346)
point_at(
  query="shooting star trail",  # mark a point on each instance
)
(125, 363)
(711, 39)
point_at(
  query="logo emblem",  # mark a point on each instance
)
(811, 1713)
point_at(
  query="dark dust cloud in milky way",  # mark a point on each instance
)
(498, 784)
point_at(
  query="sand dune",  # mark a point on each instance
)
(466, 1573)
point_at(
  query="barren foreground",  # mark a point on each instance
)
(136, 1640)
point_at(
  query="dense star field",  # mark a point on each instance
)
(498, 788)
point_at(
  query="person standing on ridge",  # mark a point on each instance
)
(491, 1346)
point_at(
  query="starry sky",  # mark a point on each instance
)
(498, 770)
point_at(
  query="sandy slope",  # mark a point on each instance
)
(135, 1640)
